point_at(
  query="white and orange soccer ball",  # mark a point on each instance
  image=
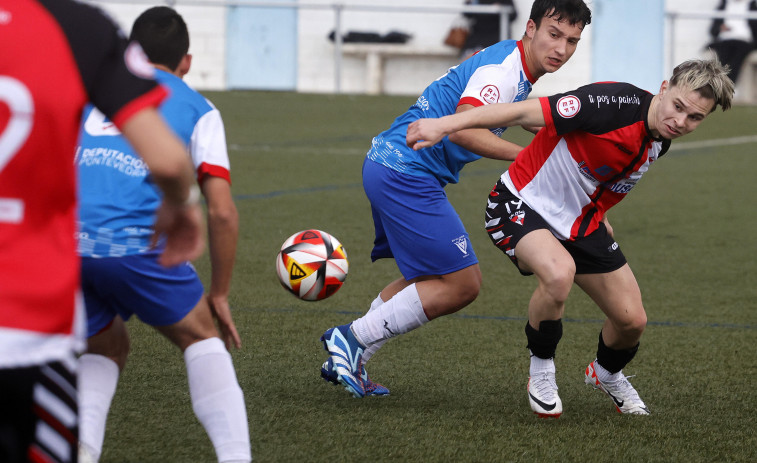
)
(312, 265)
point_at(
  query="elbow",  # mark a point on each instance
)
(226, 217)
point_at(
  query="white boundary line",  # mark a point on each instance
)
(676, 146)
(713, 143)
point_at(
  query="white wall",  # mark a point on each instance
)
(408, 76)
(207, 37)
(691, 35)
(403, 76)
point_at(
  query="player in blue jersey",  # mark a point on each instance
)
(414, 221)
(120, 274)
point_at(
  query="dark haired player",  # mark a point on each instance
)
(414, 222)
(120, 274)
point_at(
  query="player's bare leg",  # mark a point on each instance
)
(617, 294)
(541, 253)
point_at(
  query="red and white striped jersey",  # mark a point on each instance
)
(595, 147)
(55, 56)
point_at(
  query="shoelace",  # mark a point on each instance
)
(545, 385)
(623, 388)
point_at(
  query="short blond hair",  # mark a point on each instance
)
(707, 77)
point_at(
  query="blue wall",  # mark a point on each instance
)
(261, 48)
(627, 41)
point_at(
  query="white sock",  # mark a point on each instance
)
(217, 399)
(376, 303)
(97, 381)
(369, 351)
(398, 315)
(604, 375)
(540, 365)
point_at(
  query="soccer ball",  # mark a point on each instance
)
(312, 265)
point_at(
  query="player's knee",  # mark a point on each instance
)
(633, 326)
(463, 287)
(469, 293)
(639, 323)
(558, 283)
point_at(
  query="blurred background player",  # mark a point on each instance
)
(120, 275)
(57, 55)
(733, 38)
(484, 29)
(547, 212)
(414, 222)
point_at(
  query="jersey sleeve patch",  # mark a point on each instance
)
(490, 94)
(137, 62)
(568, 106)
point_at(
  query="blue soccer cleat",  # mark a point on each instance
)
(345, 354)
(371, 388)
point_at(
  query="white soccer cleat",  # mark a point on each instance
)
(542, 395)
(623, 395)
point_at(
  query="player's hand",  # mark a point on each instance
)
(219, 306)
(183, 230)
(424, 133)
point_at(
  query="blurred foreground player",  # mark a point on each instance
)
(56, 56)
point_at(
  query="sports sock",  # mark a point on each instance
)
(614, 360)
(604, 375)
(540, 365)
(217, 399)
(543, 343)
(398, 315)
(376, 303)
(369, 351)
(98, 378)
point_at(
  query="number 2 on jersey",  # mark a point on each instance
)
(17, 98)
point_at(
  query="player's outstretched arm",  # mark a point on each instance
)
(483, 142)
(223, 230)
(428, 132)
(179, 217)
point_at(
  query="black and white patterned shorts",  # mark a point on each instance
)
(508, 219)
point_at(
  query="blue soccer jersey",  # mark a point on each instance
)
(497, 74)
(117, 199)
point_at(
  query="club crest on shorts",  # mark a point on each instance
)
(462, 244)
(517, 217)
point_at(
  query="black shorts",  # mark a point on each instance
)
(508, 219)
(38, 414)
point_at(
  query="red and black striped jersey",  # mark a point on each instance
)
(55, 56)
(595, 147)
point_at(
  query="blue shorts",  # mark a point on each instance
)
(415, 223)
(139, 285)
